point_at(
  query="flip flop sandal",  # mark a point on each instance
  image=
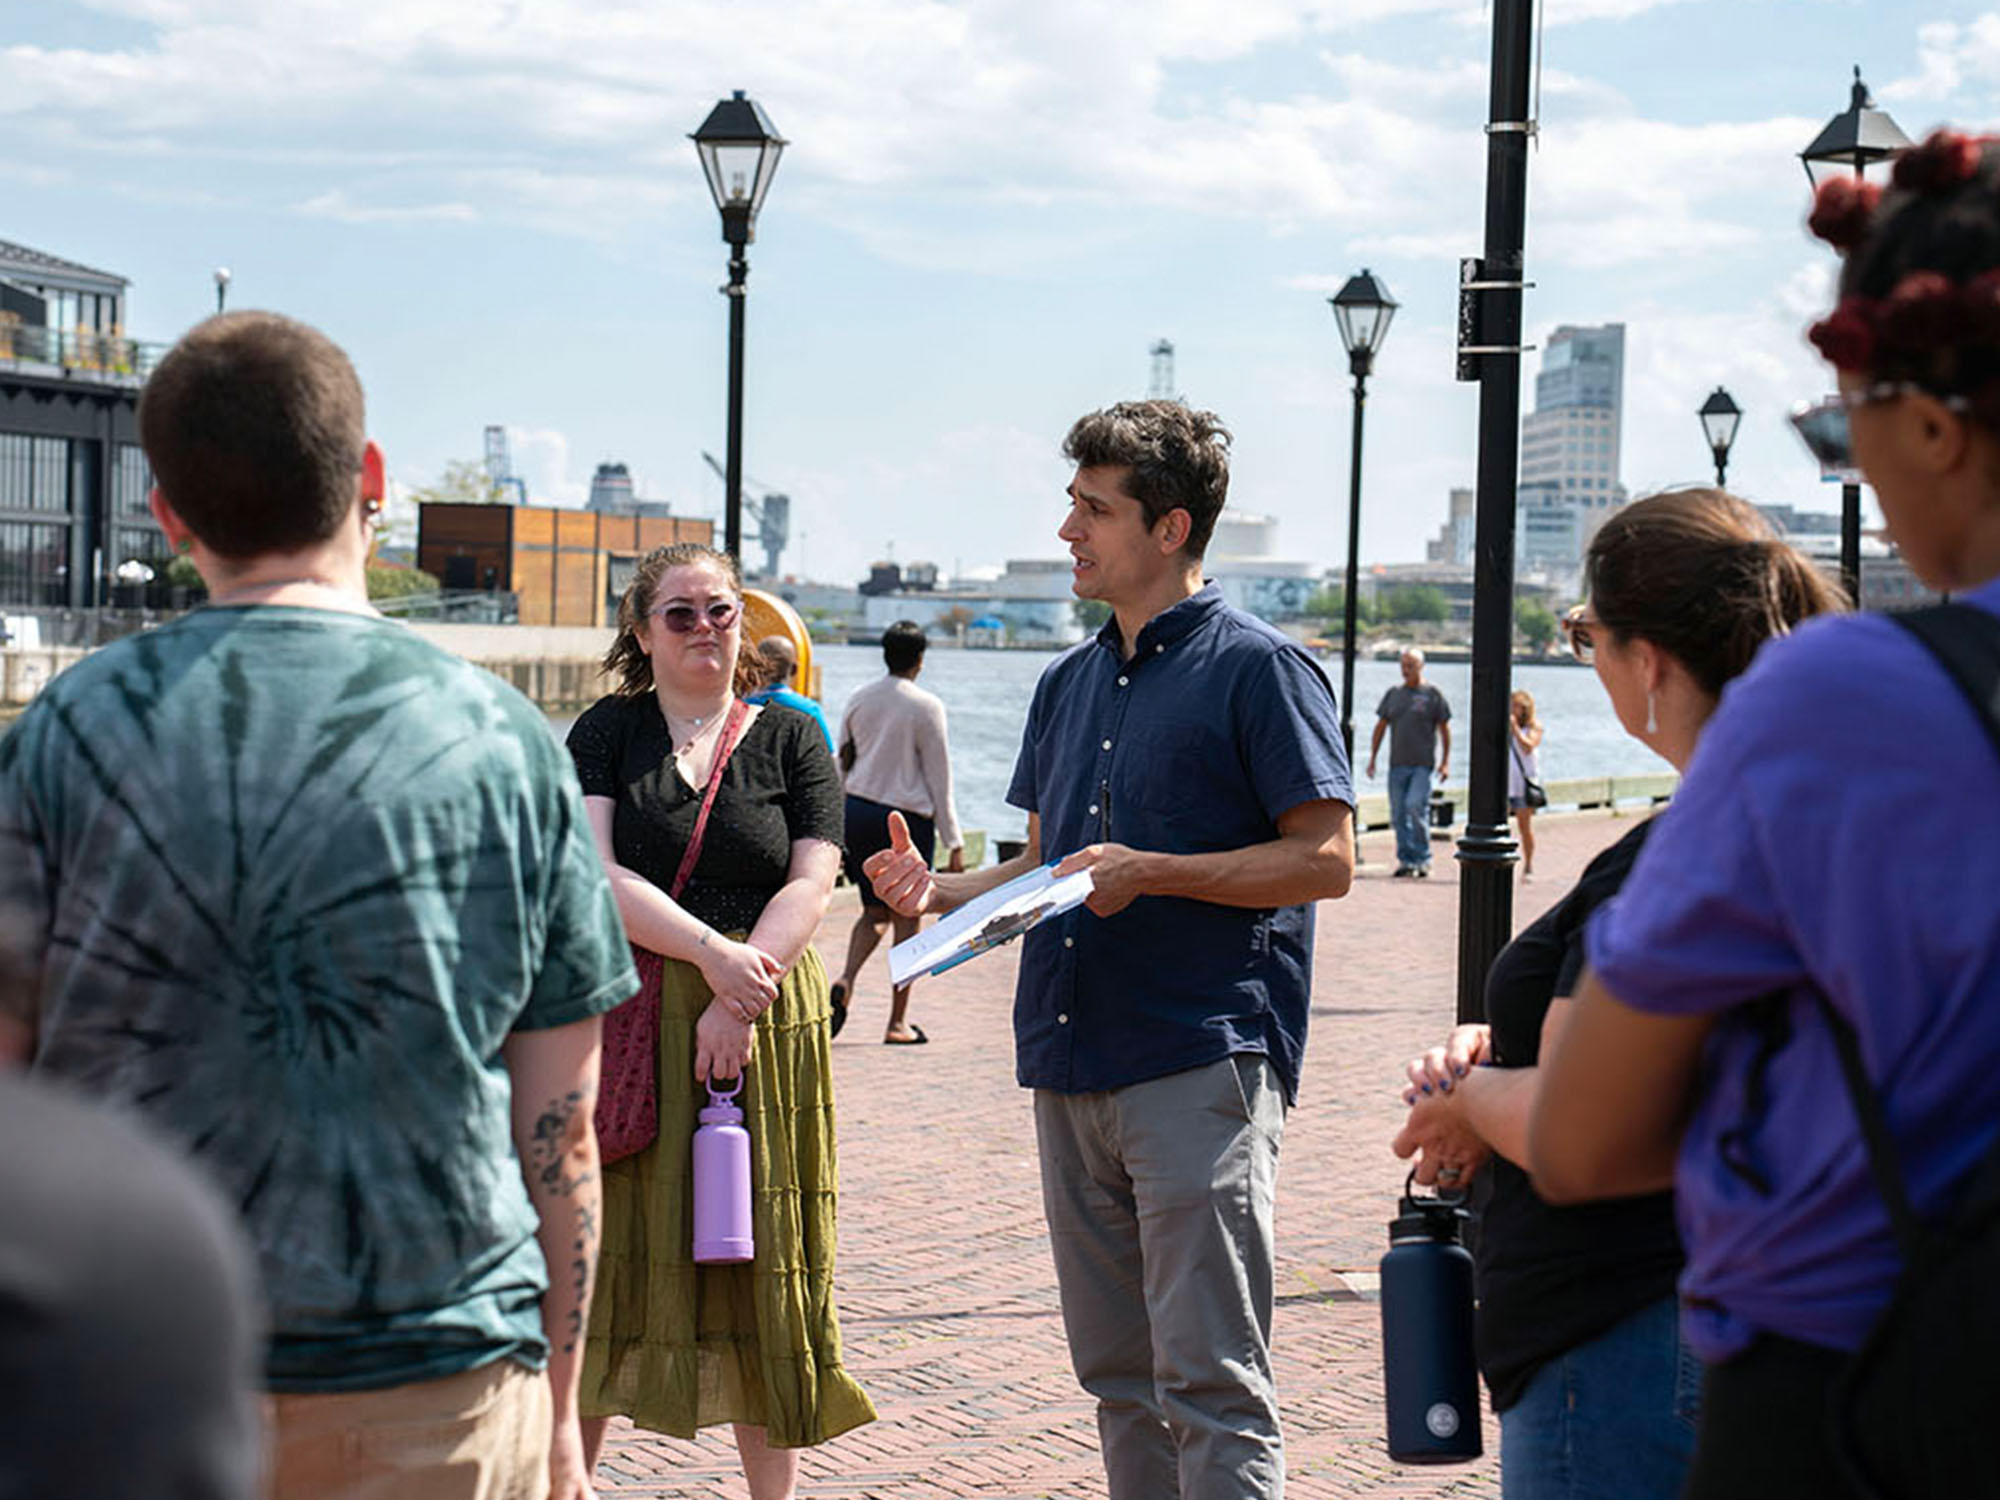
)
(907, 1041)
(838, 996)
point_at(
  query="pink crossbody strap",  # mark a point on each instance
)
(731, 727)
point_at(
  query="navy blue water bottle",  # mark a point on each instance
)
(1430, 1377)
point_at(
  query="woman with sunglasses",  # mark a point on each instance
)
(674, 1345)
(1576, 1328)
(1836, 843)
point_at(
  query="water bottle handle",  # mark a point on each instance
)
(715, 1097)
(1438, 1194)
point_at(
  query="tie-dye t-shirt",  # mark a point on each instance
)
(296, 875)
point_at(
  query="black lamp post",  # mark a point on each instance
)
(1363, 309)
(739, 152)
(1852, 141)
(1720, 416)
(221, 287)
(1489, 351)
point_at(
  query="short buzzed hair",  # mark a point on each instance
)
(254, 427)
(1414, 653)
(903, 647)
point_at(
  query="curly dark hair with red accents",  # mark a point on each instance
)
(1920, 287)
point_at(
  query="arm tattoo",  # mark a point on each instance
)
(546, 1149)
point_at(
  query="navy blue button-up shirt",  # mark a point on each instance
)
(1216, 727)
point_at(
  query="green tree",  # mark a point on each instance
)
(181, 573)
(385, 582)
(464, 482)
(1416, 604)
(1092, 613)
(1536, 624)
(1330, 605)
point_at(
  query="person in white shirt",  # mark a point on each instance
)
(895, 759)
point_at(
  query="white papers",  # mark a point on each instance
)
(999, 916)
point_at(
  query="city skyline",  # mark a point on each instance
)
(987, 216)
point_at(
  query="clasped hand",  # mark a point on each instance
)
(744, 982)
(1437, 1132)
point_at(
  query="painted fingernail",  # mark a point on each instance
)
(1427, 1088)
(1463, 1070)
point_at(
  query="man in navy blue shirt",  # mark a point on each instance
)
(1190, 757)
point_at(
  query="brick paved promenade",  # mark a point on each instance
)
(948, 1299)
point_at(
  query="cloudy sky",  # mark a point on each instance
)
(990, 210)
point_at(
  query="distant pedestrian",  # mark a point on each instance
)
(1190, 757)
(897, 757)
(778, 661)
(319, 901)
(1417, 720)
(1524, 770)
(130, 1331)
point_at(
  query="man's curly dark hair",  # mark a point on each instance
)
(1179, 458)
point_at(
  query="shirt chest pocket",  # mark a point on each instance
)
(1168, 771)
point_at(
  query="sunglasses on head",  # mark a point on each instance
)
(681, 619)
(1576, 628)
(1823, 426)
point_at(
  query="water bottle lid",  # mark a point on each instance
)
(1441, 1218)
(722, 1107)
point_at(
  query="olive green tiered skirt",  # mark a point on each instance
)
(678, 1347)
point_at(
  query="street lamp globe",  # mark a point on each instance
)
(739, 152)
(1364, 309)
(1720, 416)
(1853, 140)
(221, 286)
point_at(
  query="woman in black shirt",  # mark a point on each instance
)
(674, 1345)
(1577, 1330)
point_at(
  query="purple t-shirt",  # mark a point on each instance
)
(1838, 828)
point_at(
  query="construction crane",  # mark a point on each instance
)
(500, 474)
(770, 513)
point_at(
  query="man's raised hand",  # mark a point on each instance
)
(900, 874)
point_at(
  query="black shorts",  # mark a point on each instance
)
(868, 832)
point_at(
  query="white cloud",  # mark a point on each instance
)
(335, 204)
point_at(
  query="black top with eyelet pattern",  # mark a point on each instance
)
(780, 785)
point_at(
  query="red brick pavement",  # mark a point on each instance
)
(948, 1300)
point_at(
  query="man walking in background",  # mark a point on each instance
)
(1416, 718)
(781, 664)
(896, 758)
(319, 900)
(1190, 758)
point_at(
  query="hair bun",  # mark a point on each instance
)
(1944, 160)
(1842, 211)
(1846, 337)
(1923, 314)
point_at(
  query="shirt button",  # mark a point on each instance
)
(1093, 809)
(1123, 680)
(1069, 942)
(1062, 1019)
(1158, 649)
(1107, 744)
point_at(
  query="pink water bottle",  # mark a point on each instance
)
(722, 1182)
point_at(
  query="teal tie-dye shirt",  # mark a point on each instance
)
(296, 875)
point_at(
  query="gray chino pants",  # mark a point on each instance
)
(1159, 1200)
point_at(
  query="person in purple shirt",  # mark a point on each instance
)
(1838, 835)
(1190, 757)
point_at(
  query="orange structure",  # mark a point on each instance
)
(565, 567)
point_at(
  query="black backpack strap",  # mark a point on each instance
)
(1966, 642)
(1883, 1164)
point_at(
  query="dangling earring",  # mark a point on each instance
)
(1652, 716)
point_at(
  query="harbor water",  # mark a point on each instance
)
(986, 697)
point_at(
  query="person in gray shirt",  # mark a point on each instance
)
(1417, 719)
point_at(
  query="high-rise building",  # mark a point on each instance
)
(1454, 540)
(1570, 447)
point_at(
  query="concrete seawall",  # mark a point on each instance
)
(555, 666)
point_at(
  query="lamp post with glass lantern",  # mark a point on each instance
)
(1853, 140)
(221, 287)
(739, 153)
(1363, 308)
(1720, 416)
